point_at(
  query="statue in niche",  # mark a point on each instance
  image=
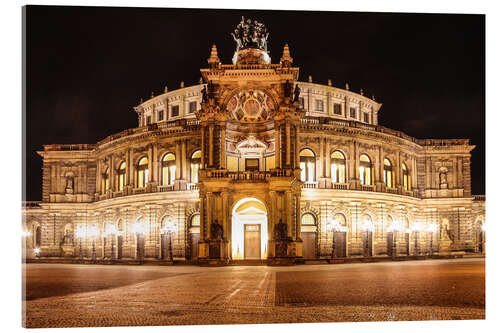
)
(296, 93)
(280, 231)
(204, 96)
(69, 185)
(443, 183)
(68, 235)
(215, 230)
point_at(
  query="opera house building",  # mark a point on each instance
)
(253, 165)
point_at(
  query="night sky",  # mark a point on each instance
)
(88, 66)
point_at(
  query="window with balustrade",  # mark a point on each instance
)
(195, 165)
(406, 177)
(388, 173)
(121, 175)
(307, 165)
(337, 166)
(105, 181)
(142, 172)
(365, 170)
(168, 169)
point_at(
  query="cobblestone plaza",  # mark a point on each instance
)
(86, 295)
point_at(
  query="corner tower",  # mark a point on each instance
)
(250, 119)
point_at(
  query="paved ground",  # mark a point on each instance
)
(82, 295)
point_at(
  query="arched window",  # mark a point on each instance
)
(340, 219)
(105, 181)
(365, 170)
(308, 219)
(307, 165)
(121, 175)
(337, 161)
(142, 172)
(195, 165)
(388, 173)
(168, 169)
(195, 220)
(406, 177)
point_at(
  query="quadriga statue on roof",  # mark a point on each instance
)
(250, 34)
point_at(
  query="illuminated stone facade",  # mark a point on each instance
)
(246, 165)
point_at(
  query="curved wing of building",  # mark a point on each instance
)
(253, 164)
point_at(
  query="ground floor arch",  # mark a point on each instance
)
(249, 230)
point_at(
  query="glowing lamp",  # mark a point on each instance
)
(111, 230)
(93, 231)
(367, 226)
(395, 226)
(80, 231)
(26, 233)
(432, 228)
(36, 251)
(138, 228)
(169, 227)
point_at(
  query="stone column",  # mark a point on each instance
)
(131, 167)
(178, 157)
(98, 176)
(297, 146)
(154, 176)
(150, 163)
(203, 166)
(277, 145)
(223, 145)
(328, 161)
(321, 169)
(184, 160)
(111, 173)
(210, 145)
(287, 128)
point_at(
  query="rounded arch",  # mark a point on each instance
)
(308, 219)
(249, 213)
(338, 166)
(365, 169)
(308, 152)
(338, 153)
(195, 165)
(143, 160)
(307, 165)
(341, 219)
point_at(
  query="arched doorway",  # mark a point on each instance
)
(249, 230)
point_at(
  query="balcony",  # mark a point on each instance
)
(339, 186)
(369, 188)
(310, 185)
(249, 175)
(166, 188)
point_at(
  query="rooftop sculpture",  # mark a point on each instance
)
(250, 34)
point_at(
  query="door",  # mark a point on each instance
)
(390, 244)
(309, 245)
(195, 237)
(367, 243)
(251, 164)
(119, 252)
(164, 246)
(340, 244)
(140, 246)
(252, 241)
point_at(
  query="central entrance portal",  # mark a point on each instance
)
(249, 230)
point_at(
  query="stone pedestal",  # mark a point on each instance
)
(444, 245)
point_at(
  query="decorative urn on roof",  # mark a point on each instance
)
(251, 43)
